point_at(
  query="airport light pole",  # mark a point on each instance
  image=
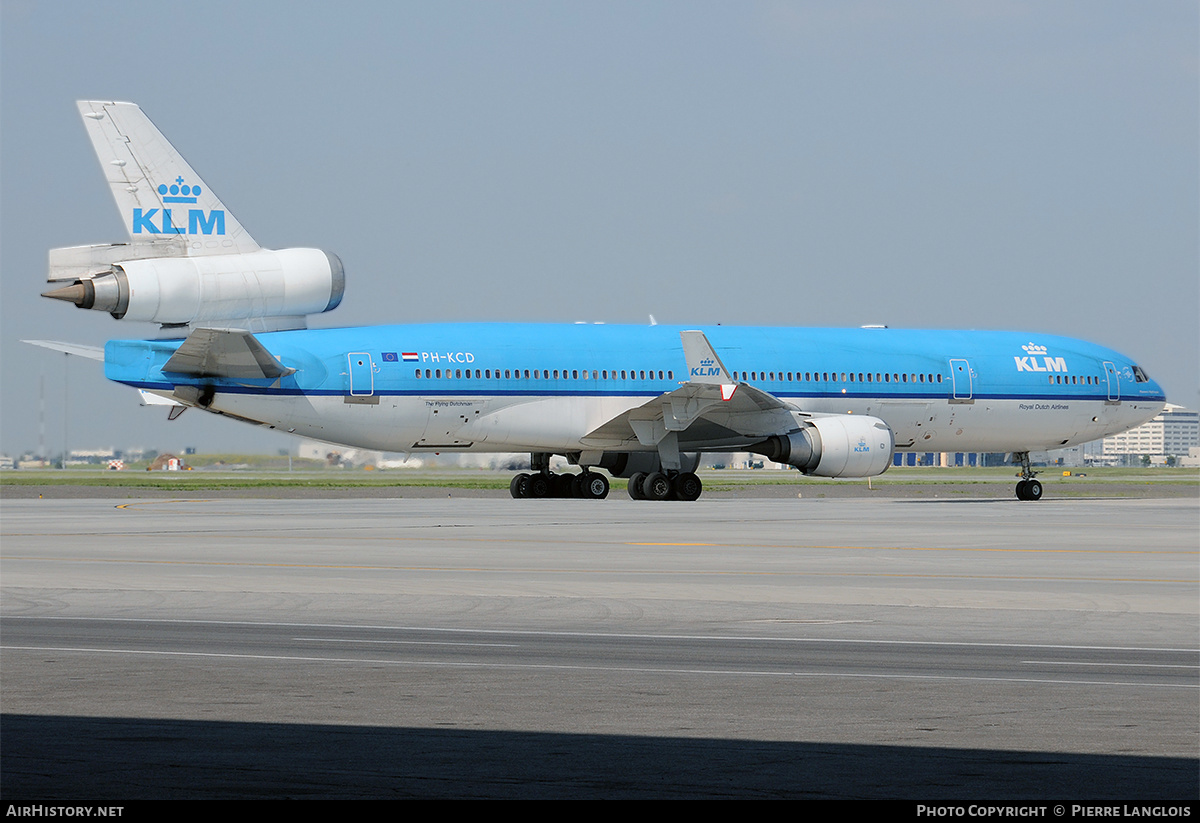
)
(66, 405)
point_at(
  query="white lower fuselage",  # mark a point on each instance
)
(556, 424)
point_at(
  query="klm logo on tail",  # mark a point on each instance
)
(199, 221)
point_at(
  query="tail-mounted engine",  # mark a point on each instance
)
(207, 289)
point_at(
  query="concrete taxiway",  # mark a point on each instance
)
(928, 649)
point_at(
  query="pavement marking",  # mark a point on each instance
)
(577, 571)
(600, 635)
(626, 669)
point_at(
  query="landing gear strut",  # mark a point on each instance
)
(670, 485)
(1027, 487)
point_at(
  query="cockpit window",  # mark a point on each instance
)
(1139, 376)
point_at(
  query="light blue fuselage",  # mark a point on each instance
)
(526, 387)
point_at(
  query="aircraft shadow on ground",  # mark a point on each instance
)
(97, 760)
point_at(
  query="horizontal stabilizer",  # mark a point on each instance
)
(232, 354)
(90, 352)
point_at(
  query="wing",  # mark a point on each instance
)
(710, 411)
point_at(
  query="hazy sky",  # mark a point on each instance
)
(991, 165)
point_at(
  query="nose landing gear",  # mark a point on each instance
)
(1027, 487)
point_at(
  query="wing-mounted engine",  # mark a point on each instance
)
(835, 446)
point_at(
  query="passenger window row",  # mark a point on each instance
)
(1073, 380)
(543, 374)
(840, 377)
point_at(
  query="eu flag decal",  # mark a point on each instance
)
(390, 357)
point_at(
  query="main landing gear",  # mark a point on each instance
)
(1027, 487)
(652, 483)
(588, 485)
(669, 485)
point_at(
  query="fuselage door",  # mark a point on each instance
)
(960, 380)
(1114, 382)
(362, 374)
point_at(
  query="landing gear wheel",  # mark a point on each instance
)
(539, 486)
(561, 485)
(1027, 487)
(1029, 490)
(519, 486)
(688, 486)
(635, 486)
(593, 486)
(657, 486)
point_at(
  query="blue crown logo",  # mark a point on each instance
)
(178, 192)
(706, 362)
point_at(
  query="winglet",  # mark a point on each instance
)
(703, 364)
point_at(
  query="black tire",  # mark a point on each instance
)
(1021, 484)
(594, 486)
(635, 486)
(519, 486)
(539, 485)
(657, 486)
(688, 487)
(1033, 490)
(561, 485)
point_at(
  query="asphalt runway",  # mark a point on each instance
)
(818, 648)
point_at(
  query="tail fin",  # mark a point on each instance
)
(159, 196)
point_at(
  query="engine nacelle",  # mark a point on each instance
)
(171, 290)
(836, 446)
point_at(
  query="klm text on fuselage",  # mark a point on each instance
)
(1031, 364)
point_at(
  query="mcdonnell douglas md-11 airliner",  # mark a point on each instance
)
(639, 402)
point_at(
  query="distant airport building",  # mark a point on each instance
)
(95, 456)
(1171, 434)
